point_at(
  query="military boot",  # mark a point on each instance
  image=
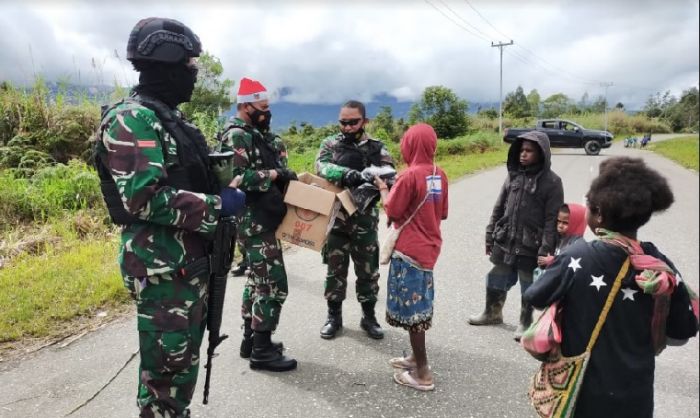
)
(369, 321)
(247, 342)
(266, 357)
(493, 313)
(525, 319)
(334, 322)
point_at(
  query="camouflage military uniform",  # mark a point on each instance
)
(163, 254)
(351, 236)
(266, 286)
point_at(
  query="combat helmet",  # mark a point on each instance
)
(162, 40)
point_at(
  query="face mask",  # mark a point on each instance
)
(261, 125)
(354, 136)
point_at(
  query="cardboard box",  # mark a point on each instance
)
(312, 206)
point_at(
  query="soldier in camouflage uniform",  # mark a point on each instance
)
(261, 160)
(157, 183)
(340, 160)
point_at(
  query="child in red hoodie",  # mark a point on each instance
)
(421, 188)
(571, 224)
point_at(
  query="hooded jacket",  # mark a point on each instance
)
(577, 226)
(420, 239)
(523, 223)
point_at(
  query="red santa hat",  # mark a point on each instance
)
(250, 91)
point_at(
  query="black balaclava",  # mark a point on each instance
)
(171, 83)
(264, 125)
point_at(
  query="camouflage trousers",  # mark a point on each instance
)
(265, 289)
(171, 310)
(354, 237)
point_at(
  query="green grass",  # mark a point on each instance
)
(683, 150)
(456, 166)
(40, 293)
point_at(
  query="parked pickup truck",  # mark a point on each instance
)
(566, 134)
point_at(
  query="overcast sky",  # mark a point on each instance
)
(330, 51)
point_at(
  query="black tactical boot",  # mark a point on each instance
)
(334, 322)
(240, 269)
(493, 314)
(369, 321)
(525, 319)
(266, 357)
(247, 342)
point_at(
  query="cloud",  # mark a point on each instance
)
(329, 51)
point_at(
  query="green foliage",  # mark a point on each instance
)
(443, 110)
(382, 126)
(682, 150)
(211, 95)
(555, 105)
(516, 104)
(52, 191)
(533, 99)
(36, 130)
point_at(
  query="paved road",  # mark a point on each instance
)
(479, 371)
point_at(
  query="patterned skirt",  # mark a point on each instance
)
(410, 294)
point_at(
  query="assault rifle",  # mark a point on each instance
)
(221, 259)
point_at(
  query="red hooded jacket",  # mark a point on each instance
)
(420, 239)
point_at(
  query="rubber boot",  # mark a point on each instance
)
(525, 319)
(334, 322)
(493, 313)
(247, 342)
(369, 321)
(266, 357)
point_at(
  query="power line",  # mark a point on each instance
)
(454, 21)
(587, 81)
(484, 37)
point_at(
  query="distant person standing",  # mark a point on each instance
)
(261, 161)
(523, 226)
(341, 159)
(159, 185)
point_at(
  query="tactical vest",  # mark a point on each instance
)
(349, 154)
(190, 172)
(267, 208)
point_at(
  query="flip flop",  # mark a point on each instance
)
(401, 363)
(404, 378)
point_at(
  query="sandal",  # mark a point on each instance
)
(401, 363)
(404, 378)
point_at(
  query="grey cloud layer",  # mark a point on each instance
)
(360, 51)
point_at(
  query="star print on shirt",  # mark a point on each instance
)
(575, 264)
(598, 281)
(629, 293)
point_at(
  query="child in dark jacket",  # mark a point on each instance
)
(653, 307)
(522, 226)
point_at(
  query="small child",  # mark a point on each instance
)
(420, 189)
(571, 224)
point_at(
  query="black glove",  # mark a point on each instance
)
(352, 178)
(286, 174)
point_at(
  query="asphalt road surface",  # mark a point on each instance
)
(479, 371)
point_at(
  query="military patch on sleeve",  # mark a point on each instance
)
(146, 144)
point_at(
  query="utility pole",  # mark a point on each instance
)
(605, 110)
(500, 46)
